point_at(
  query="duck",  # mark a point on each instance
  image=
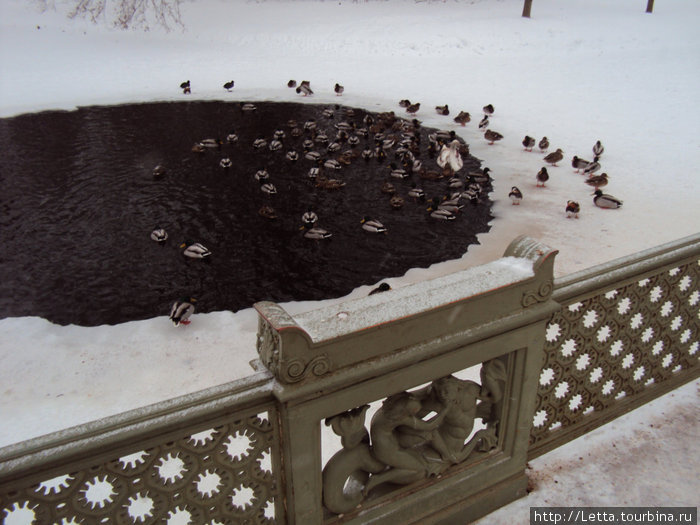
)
(292, 83)
(185, 84)
(268, 188)
(309, 218)
(338, 89)
(396, 202)
(225, 163)
(182, 310)
(260, 143)
(528, 142)
(484, 122)
(396, 172)
(317, 234)
(479, 177)
(305, 88)
(275, 145)
(310, 125)
(597, 181)
(598, 148)
(488, 109)
(455, 183)
(450, 156)
(413, 108)
(444, 215)
(292, 156)
(248, 106)
(542, 177)
(262, 175)
(462, 118)
(554, 157)
(372, 225)
(388, 188)
(353, 140)
(416, 193)
(383, 287)
(367, 154)
(515, 195)
(328, 113)
(332, 164)
(578, 163)
(228, 85)
(159, 171)
(603, 200)
(329, 184)
(572, 209)
(313, 173)
(451, 205)
(592, 167)
(404, 103)
(198, 148)
(492, 136)
(268, 212)
(442, 110)
(194, 250)
(232, 137)
(159, 235)
(211, 143)
(333, 147)
(279, 134)
(543, 144)
(314, 156)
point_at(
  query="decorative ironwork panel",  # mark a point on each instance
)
(615, 345)
(222, 475)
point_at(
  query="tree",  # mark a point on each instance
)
(528, 7)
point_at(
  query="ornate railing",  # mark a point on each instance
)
(420, 405)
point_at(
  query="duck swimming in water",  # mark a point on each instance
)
(372, 225)
(317, 233)
(194, 250)
(182, 310)
(159, 235)
(225, 163)
(309, 218)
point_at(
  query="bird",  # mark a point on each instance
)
(492, 136)
(317, 234)
(603, 200)
(413, 108)
(442, 110)
(484, 122)
(309, 218)
(248, 106)
(268, 188)
(451, 205)
(275, 145)
(225, 163)
(182, 310)
(383, 287)
(515, 195)
(528, 143)
(194, 250)
(262, 175)
(592, 167)
(396, 172)
(291, 156)
(542, 176)
(268, 212)
(572, 209)
(211, 143)
(372, 225)
(159, 171)
(544, 144)
(338, 89)
(578, 163)
(198, 148)
(462, 118)
(404, 103)
(228, 85)
(159, 235)
(396, 202)
(292, 84)
(488, 109)
(442, 214)
(416, 193)
(232, 137)
(260, 143)
(597, 181)
(388, 188)
(305, 88)
(554, 157)
(185, 86)
(598, 148)
(450, 156)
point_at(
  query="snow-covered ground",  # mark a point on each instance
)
(577, 71)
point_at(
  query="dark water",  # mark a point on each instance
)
(79, 201)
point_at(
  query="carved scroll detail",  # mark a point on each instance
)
(532, 297)
(296, 370)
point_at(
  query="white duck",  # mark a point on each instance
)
(450, 155)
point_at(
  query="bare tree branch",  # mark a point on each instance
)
(125, 14)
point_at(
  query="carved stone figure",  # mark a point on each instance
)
(404, 447)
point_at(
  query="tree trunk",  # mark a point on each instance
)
(650, 6)
(527, 7)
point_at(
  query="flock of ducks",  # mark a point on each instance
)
(384, 135)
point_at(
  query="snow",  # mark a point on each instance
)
(577, 71)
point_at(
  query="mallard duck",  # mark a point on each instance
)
(572, 209)
(232, 137)
(442, 110)
(262, 175)
(404, 103)
(444, 215)
(332, 164)
(372, 225)
(578, 163)
(451, 205)
(329, 184)
(338, 89)
(268, 212)
(182, 310)
(413, 108)
(322, 138)
(388, 188)
(225, 163)
(492, 136)
(275, 145)
(279, 134)
(313, 156)
(310, 125)
(367, 154)
(488, 109)
(159, 235)
(455, 183)
(353, 140)
(383, 287)
(292, 156)
(346, 157)
(268, 188)
(211, 143)
(185, 84)
(333, 147)
(305, 89)
(542, 177)
(328, 113)
(592, 167)
(462, 118)
(314, 172)
(198, 148)
(597, 181)
(416, 193)
(317, 234)
(528, 142)
(554, 157)
(603, 200)
(450, 156)
(159, 171)
(598, 148)
(479, 177)
(515, 195)
(292, 84)
(228, 85)
(248, 106)
(396, 202)
(484, 123)
(194, 250)
(260, 143)
(309, 218)
(544, 144)
(396, 172)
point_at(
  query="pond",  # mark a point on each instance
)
(80, 200)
